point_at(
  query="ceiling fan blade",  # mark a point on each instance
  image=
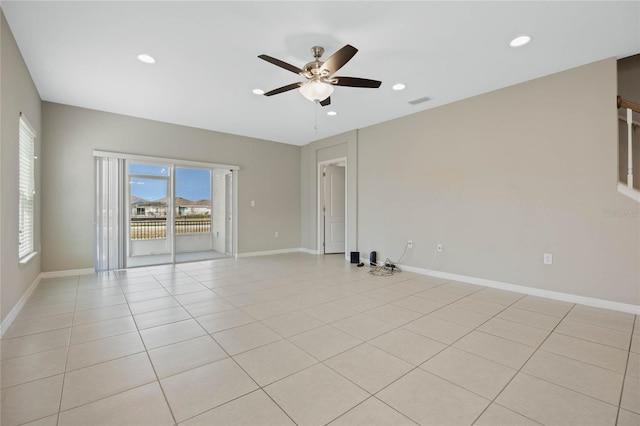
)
(326, 101)
(356, 82)
(338, 59)
(281, 64)
(283, 89)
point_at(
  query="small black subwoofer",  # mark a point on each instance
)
(372, 258)
(355, 257)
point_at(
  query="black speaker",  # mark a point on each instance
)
(355, 257)
(372, 258)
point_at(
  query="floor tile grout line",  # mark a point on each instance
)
(395, 328)
(66, 361)
(260, 387)
(520, 370)
(624, 376)
(533, 326)
(569, 389)
(108, 396)
(105, 397)
(238, 365)
(153, 368)
(509, 409)
(37, 352)
(601, 326)
(448, 345)
(579, 361)
(371, 396)
(414, 366)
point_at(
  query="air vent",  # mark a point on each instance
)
(420, 100)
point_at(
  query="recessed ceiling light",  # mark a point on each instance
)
(147, 59)
(332, 113)
(258, 92)
(399, 86)
(520, 41)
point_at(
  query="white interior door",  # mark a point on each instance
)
(334, 211)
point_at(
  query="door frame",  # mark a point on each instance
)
(320, 204)
(229, 205)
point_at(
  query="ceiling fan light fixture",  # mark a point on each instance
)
(399, 86)
(258, 92)
(332, 113)
(316, 91)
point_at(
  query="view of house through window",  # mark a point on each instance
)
(192, 201)
(148, 193)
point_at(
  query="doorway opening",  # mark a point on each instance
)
(332, 206)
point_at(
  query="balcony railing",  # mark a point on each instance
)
(156, 228)
(630, 107)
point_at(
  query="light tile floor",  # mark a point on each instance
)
(303, 339)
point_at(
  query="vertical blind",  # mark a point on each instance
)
(26, 188)
(109, 238)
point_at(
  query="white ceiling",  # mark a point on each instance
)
(84, 54)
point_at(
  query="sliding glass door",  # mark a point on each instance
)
(152, 211)
(177, 213)
(192, 209)
(150, 214)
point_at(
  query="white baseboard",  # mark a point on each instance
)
(309, 251)
(67, 273)
(269, 252)
(6, 323)
(549, 294)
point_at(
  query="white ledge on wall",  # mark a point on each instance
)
(632, 193)
(27, 258)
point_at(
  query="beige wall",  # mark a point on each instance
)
(499, 180)
(269, 174)
(18, 94)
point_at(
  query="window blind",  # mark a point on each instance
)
(26, 188)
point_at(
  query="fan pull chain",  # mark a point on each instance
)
(315, 124)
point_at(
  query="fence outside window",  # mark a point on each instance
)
(156, 228)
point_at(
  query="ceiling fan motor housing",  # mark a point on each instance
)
(317, 51)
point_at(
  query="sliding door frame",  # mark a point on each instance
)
(173, 163)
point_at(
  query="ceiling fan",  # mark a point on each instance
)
(319, 75)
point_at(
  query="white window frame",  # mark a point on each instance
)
(26, 189)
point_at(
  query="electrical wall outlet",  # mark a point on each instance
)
(439, 247)
(409, 244)
(277, 234)
(547, 259)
